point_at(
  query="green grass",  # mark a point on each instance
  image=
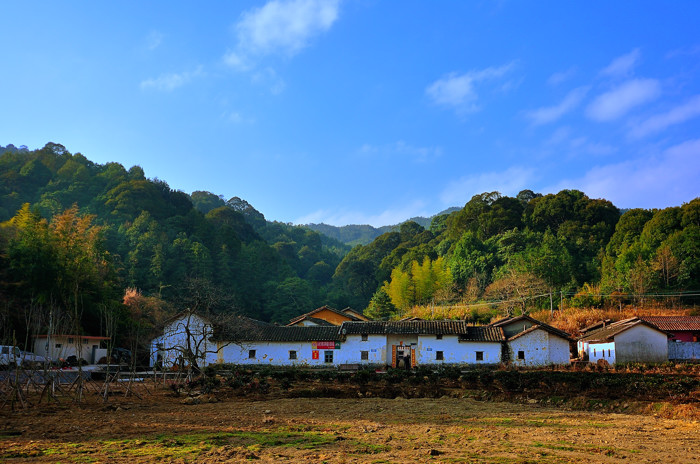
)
(184, 446)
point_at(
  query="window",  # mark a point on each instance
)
(70, 340)
(593, 351)
(364, 355)
(364, 337)
(292, 354)
(58, 345)
(608, 352)
(521, 355)
(438, 337)
(439, 356)
(328, 356)
(251, 354)
(479, 355)
(5, 350)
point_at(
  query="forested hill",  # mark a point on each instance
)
(354, 234)
(79, 239)
(76, 234)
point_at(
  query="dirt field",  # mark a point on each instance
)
(162, 429)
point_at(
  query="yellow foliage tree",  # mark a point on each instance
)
(419, 284)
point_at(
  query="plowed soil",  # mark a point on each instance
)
(161, 428)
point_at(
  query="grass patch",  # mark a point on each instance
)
(183, 446)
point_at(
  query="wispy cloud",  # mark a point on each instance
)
(553, 113)
(659, 122)
(285, 26)
(508, 182)
(623, 65)
(458, 91)
(617, 102)
(667, 179)
(401, 148)
(385, 218)
(561, 77)
(154, 40)
(170, 82)
(279, 27)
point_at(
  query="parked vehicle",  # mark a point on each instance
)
(9, 356)
(29, 359)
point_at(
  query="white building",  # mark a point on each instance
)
(629, 340)
(60, 347)
(372, 343)
(533, 343)
(183, 334)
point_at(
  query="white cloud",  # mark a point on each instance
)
(237, 61)
(154, 40)
(170, 82)
(552, 113)
(623, 65)
(285, 26)
(659, 122)
(458, 90)
(649, 182)
(402, 148)
(508, 182)
(617, 102)
(384, 218)
(560, 77)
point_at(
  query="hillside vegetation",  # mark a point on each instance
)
(106, 250)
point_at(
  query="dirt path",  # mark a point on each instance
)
(342, 431)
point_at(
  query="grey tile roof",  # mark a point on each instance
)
(536, 325)
(272, 333)
(608, 332)
(461, 328)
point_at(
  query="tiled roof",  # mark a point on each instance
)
(674, 323)
(482, 334)
(422, 328)
(536, 325)
(318, 310)
(272, 333)
(608, 332)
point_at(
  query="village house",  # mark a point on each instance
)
(60, 347)
(326, 315)
(629, 340)
(684, 335)
(533, 343)
(356, 343)
(183, 336)
(420, 343)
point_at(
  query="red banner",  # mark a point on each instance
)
(324, 346)
(314, 354)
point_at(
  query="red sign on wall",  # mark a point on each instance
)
(314, 354)
(325, 345)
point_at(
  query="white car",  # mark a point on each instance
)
(27, 358)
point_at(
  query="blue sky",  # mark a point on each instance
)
(361, 111)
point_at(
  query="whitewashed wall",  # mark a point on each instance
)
(559, 350)
(375, 345)
(272, 353)
(641, 344)
(538, 349)
(174, 341)
(454, 351)
(89, 349)
(598, 351)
